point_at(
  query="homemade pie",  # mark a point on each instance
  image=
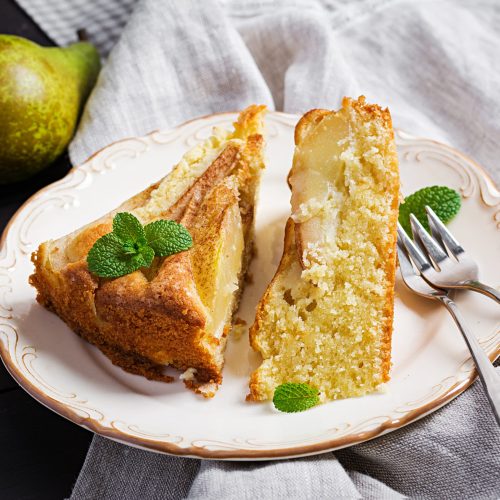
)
(177, 312)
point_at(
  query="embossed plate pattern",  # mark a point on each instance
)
(430, 362)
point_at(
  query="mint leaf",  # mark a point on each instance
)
(144, 257)
(108, 259)
(130, 248)
(291, 398)
(444, 201)
(167, 237)
(128, 228)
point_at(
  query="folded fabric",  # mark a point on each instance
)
(450, 454)
(435, 64)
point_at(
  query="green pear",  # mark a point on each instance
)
(42, 93)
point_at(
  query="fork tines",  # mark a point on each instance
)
(441, 233)
(415, 253)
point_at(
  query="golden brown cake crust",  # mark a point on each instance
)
(152, 318)
(289, 255)
(308, 122)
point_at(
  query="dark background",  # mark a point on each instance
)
(41, 453)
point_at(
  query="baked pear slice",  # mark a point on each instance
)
(326, 317)
(178, 311)
(317, 175)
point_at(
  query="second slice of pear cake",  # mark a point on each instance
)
(177, 312)
(326, 317)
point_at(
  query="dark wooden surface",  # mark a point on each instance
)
(41, 453)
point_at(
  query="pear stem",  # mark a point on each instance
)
(82, 35)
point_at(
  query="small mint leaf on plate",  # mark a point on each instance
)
(128, 228)
(167, 237)
(444, 201)
(291, 398)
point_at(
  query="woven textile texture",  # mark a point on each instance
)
(435, 64)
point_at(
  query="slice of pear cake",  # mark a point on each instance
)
(326, 317)
(177, 312)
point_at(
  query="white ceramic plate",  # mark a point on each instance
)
(431, 364)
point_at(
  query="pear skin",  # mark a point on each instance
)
(42, 93)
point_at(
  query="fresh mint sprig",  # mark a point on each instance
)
(131, 245)
(292, 398)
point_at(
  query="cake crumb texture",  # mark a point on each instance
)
(326, 318)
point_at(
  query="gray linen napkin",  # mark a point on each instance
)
(435, 64)
(450, 454)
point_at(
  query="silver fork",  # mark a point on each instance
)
(414, 281)
(448, 265)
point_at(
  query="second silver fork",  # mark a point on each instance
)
(414, 281)
(449, 265)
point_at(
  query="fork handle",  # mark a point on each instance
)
(487, 373)
(477, 286)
